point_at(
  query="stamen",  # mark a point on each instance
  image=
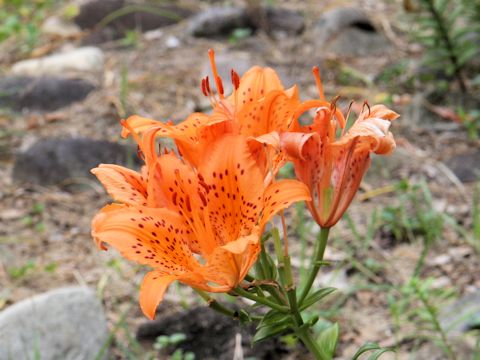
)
(207, 85)
(220, 86)
(203, 87)
(365, 103)
(218, 83)
(210, 95)
(235, 79)
(318, 81)
(348, 115)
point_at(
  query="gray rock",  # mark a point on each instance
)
(141, 17)
(44, 93)
(56, 26)
(85, 60)
(222, 20)
(461, 316)
(62, 324)
(285, 21)
(218, 21)
(56, 161)
(348, 32)
(466, 166)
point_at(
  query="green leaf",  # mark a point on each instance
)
(273, 317)
(379, 352)
(316, 296)
(467, 55)
(371, 347)
(268, 331)
(328, 341)
(268, 266)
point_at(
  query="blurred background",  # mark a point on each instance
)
(405, 259)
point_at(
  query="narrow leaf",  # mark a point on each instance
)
(316, 296)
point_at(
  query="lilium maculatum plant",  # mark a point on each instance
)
(332, 167)
(197, 213)
(217, 210)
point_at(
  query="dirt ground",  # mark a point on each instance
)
(45, 237)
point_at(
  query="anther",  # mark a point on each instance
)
(220, 86)
(207, 85)
(235, 79)
(365, 103)
(203, 87)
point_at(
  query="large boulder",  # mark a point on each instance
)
(64, 161)
(83, 61)
(43, 93)
(66, 323)
(348, 31)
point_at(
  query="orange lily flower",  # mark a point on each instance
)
(333, 168)
(218, 209)
(259, 108)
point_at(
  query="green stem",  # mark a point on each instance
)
(260, 300)
(215, 305)
(305, 335)
(319, 251)
(436, 323)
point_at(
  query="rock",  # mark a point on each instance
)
(222, 20)
(57, 161)
(67, 323)
(348, 32)
(284, 21)
(466, 166)
(83, 60)
(138, 16)
(56, 26)
(201, 325)
(44, 93)
(218, 21)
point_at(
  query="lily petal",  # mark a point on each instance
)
(123, 185)
(152, 290)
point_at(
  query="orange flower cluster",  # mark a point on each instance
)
(196, 215)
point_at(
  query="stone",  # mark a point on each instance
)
(141, 17)
(218, 21)
(84, 60)
(466, 166)
(284, 21)
(60, 161)
(66, 323)
(56, 26)
(43, 93)
(201, 325)
(348, 31)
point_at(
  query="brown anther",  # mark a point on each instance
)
(207, 85)
(220, 85)
(365, 103)
(235, 79)
(204, 88)
(333, 104)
